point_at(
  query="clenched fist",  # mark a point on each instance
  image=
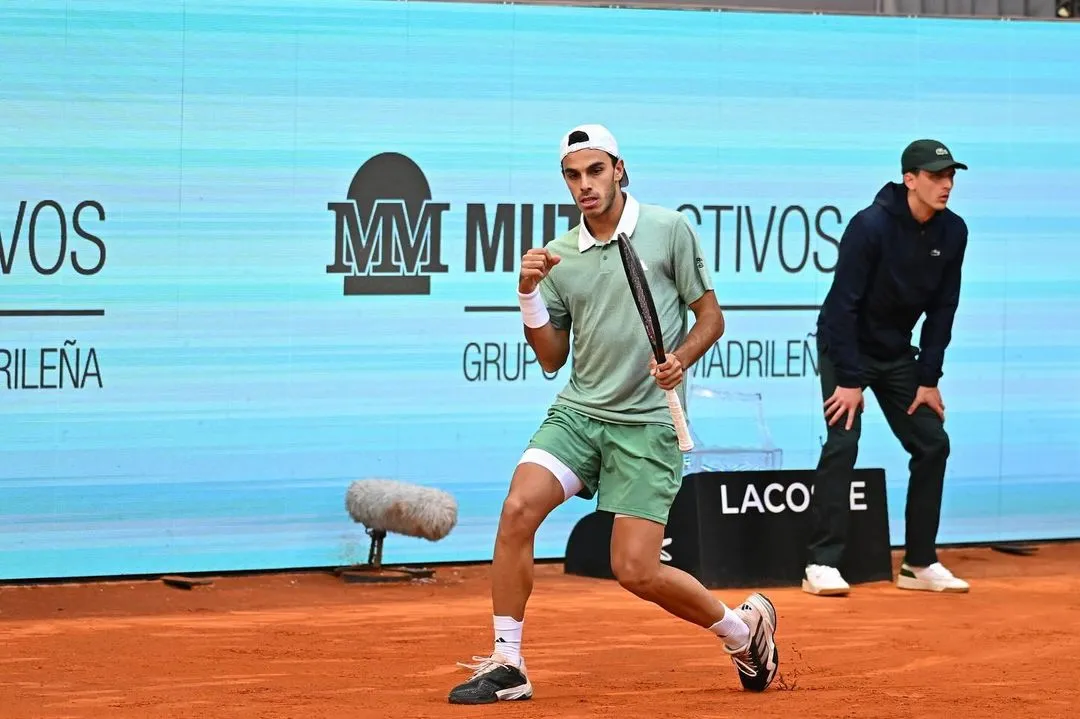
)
(535, 266)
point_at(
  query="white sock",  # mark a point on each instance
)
(732, 629)
(508, 638)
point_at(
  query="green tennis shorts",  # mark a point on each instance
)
(632, 469)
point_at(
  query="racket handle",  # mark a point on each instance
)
(681, 430)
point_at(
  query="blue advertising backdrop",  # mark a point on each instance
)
(181, 191)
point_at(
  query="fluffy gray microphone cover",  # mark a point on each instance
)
(400, 508)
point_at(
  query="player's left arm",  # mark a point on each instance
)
(708, 328)
(694, 284)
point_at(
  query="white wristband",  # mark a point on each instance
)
(534, 313)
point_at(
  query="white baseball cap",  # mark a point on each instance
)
(592, 137)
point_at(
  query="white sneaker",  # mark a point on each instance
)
(934, 578)
(758, 662)
(825, 581)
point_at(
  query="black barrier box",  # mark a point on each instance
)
(749, 529)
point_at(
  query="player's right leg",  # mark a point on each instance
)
(542, 481)
(534, 493)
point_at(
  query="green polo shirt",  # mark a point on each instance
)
(587, 293)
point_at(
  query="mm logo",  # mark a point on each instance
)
(388, 233)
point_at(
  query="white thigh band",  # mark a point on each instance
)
(570, 482)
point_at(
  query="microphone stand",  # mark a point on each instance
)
(374, 571)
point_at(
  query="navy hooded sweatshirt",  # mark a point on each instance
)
(891, 270)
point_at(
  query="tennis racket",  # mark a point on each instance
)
(639, 288)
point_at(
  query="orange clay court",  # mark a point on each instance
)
(309, 646)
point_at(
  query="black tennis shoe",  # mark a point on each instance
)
(494, 679)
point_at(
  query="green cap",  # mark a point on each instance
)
(929, 155)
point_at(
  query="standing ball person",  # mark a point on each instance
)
(899, 258)
(610, 432)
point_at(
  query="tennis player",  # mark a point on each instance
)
(609, 432)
